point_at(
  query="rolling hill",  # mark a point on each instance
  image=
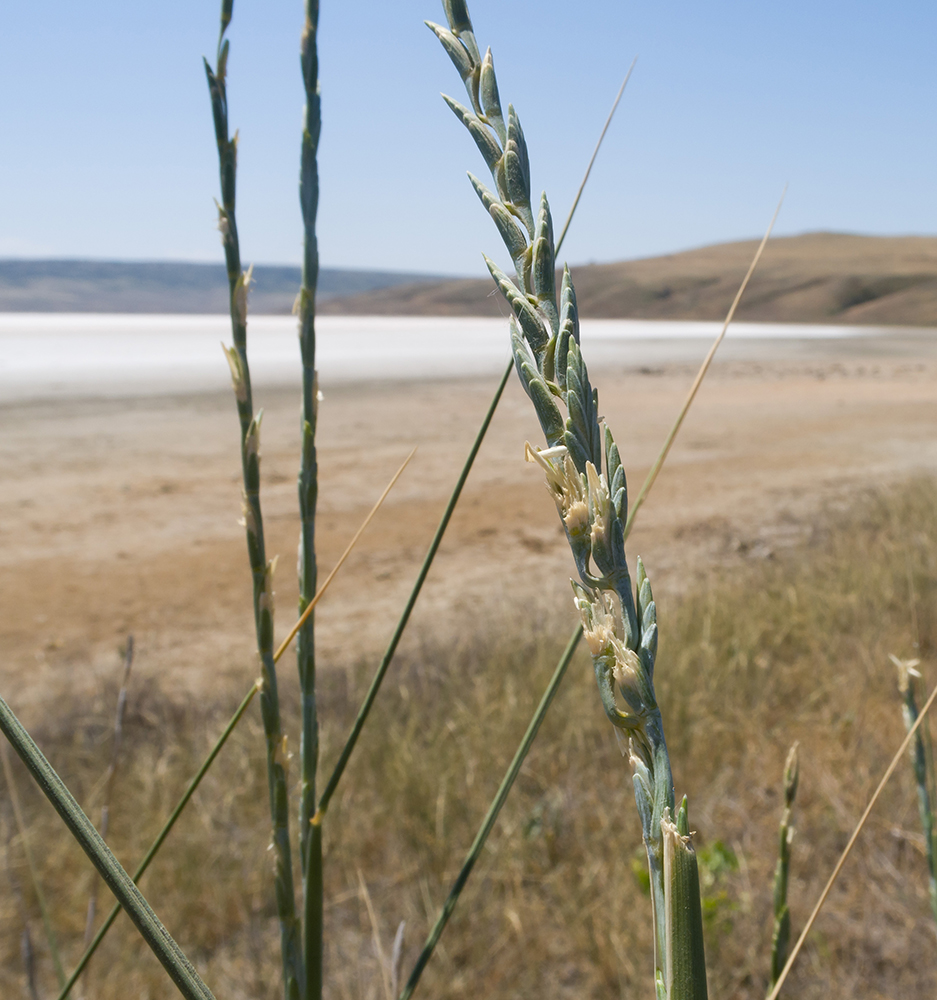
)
(814, 278)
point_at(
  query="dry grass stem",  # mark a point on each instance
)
(281, 649)
(109, 780)
(846, 851)
(595, 153)
(701, 374)
(23, 831)
(376, 937)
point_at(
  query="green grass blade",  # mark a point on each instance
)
(31, 865)
(686, 961)
(179, 968)
(161, 836)
(492, 815)
(362, 716)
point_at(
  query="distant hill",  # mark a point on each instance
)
(167, 287)
(815, 278)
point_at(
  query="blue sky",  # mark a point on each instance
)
(108, 151)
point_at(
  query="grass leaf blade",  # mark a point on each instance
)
(170, 955)
(161, 836)
(365, 708)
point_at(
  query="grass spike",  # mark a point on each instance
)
(310, 841)
(606, 602)
(293, 966)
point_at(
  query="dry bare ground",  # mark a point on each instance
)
(120, 516)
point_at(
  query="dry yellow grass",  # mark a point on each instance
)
(789, 648)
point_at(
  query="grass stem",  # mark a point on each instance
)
(261, 570)
(362, 716)
(310, 845)
(701, 374)
(781, 934)
(911, 685)
(848, 848)
(109, 781)
(162, 835)
(492, 815)
(179, 968)
(23, 831)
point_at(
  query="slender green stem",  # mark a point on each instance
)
(161, 836)
(261, 570)
(362, 716)
(31, 865)
(179, 968)
(310, 840)
(492, 815)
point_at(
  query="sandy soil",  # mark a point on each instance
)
(120, 515)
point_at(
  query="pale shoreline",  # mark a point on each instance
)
(119, 514)
(112, 355)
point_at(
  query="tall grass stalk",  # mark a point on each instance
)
(781, 933)
(23, 831)
(222, 739)
(911, 686)
(170, 955)
(310, 834)
(890, 770)
(261, 569)
(620, 626)
(404, 619)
